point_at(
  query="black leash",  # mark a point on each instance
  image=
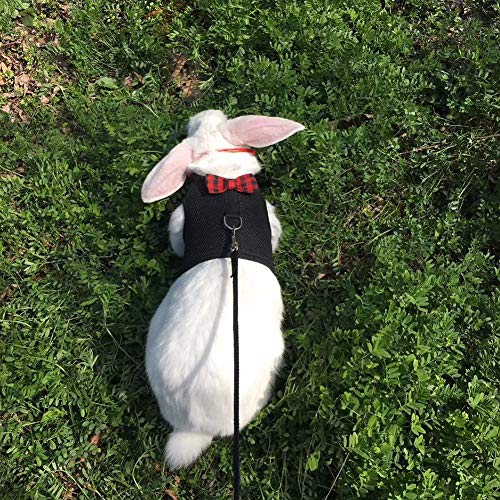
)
(236, 350)
(236, 346)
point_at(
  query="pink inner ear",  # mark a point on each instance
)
(259, 131)
(168, 175)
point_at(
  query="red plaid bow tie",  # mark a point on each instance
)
(244, 184)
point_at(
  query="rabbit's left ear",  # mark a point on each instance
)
(259, 131)
(168, 175)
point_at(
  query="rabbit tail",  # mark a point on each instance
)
(184, 447)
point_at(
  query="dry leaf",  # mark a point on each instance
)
(22, 115)
(188, 87)
(179, 64)
(96, 439)
(185, 77)
(22, 79)
(68, 494)
(9, 291)
(350, 121)
(5, 108)
(6, 57)
(3, 81)
(128, 82)
(44, 99)
(172, 495)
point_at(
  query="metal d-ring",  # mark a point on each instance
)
(233, 228)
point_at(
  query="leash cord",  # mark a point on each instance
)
(236, 347)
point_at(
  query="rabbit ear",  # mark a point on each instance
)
(168, 175)
(259, 131)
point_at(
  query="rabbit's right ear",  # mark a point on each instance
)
(168, 175)
(259, 131)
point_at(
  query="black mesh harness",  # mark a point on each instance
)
(206, 236)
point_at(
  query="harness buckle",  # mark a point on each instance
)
(233, 229)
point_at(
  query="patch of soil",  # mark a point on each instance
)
(22, 59)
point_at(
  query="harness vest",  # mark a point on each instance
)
(206, 236)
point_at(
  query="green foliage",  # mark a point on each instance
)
(389, 261)
(13, 8)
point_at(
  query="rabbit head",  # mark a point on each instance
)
(208, 132)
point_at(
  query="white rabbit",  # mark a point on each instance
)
(189, 353)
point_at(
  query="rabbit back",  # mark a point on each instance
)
(189, 353)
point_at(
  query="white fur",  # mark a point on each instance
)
(184, 447)
(275, 226)
(206, 139)
(175, 229)
(189, 353)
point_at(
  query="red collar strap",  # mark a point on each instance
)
(231, 150)
(238, 150)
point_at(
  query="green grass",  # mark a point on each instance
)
(389, 260)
